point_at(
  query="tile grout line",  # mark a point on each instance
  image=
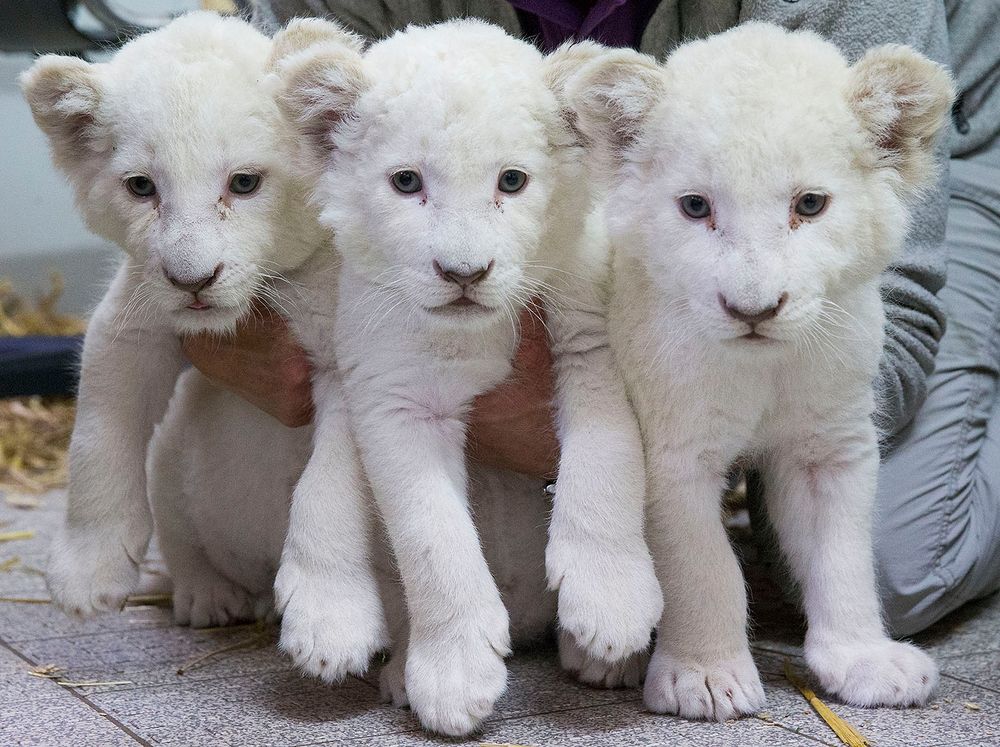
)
(419, 732)
(987, 688)
(82, 698)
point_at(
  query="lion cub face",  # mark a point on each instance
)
(441, 159)
(760, 178)
(179, 155)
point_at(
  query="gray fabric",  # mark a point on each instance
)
(974, 28)
(937, 525)
(916, 318)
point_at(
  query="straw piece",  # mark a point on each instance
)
(228, 628)
(158, 600)
(245, 643)
(54, 673)
(20, 500)
(94, 683)
(23, 534)
(9, 563)
(972, 706)
(25, 600)
(844, 731)
(47, 671)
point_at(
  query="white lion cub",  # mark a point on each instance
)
(177, 153)
(760, 188)
(456, 191)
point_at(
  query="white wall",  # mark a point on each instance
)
(40, 230)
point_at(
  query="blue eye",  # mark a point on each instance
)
(512, 181)
(695, 206)
(810, 204)
(140, 186)
(407, 181)
(244, 184)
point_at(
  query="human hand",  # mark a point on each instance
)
(262, 362)
(511, 426)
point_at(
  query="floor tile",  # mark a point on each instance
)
(982, 669)
(945, 719)
(60, 722)
(253, 697)
(612, 725)
(273, 708)
(974, 627)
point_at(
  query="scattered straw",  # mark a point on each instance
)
(15, 564)
(34, 431)
(20, 500)
(18, 317)
(146, 600)
(844, 731)
(254, 640)
(34, 438)
(93, 683)
(55, 673)
(47, 671)
(972, 706)
(228, 628)
(23, 534)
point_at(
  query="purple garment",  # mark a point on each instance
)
(617, 23)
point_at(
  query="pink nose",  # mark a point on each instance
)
(462, 275)
(193, 285)
(752, 316)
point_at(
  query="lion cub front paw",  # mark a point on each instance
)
(452, 681)
(90, 572)
(609, 602)
(330, 627)
(880, 673)
(627, 672)
(714, 691)
(210, 600)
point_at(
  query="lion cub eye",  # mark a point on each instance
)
(695, 207)
(407, 181)
(511, 181)
(140, 186)
(810, 204)
(244, 184)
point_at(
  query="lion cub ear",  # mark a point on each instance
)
(611, 96)
(902, 100)
(64, 94)
(302, 33)
(321, 76)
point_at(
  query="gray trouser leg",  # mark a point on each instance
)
(937, 523)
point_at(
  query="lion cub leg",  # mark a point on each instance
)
(820, 494)
(702, 667)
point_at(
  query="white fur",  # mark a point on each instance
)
(184, 107)
(750, 119)
(460, 103)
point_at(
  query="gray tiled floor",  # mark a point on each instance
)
(252, 697)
